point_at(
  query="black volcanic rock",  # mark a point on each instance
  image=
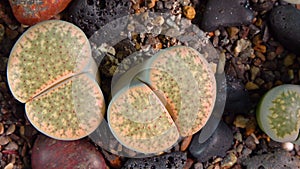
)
(172, 160)
(225, 13)
(285, 24)
(90, 15)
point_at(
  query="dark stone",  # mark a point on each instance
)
(275, 160)
(172, 160)
(238, 99)
(52, 154)
(225, 13)
(90, 15)
(216, 145)
(285, 25)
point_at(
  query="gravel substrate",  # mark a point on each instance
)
(254, 63)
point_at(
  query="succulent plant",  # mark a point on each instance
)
(51, 69)
(278, 113)
(184, 87)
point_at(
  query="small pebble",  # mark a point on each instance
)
(288, 146)
(254, 72)
(229, 161)
(242, 44)
(251, 86)
(250, 142)
(189, 12)
(9, 166)
(185, 143)
(217, 32)
(4, 140)
(239, 148)
(151, 3)
(238, 136)
(240, 121)
(11, 129)
(12, 146)
(260, 55)
(260, 48)
(188, 164)
(1, 128)
(198, 165)
(246, 152)
(289, 60)
(233, 31)
(251, 126)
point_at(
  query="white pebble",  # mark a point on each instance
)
(288, 146)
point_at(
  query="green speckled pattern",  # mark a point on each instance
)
(188, 83)
(45, 54)
(284, 115)
(69, 111)
(140, 122)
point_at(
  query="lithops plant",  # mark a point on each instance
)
(50, 68)
(278, 113)
(140, 121)
(183, 83)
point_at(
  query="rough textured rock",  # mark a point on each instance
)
(52, 154)
(30, 12)
(285, 24)
(90, 15)
(275, 160)
(172, 160)
(216, 145)
(225, 13)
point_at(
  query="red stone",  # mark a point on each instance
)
(30, 12)
(54, 154)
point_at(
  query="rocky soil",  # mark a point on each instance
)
(259, 40)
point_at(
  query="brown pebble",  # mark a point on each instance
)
(289, 60)
(1, 128)
(260, 48)
(250, 142)
(257, 40)
(185, 143)
(114, 160)
(189, 12)
(258, 22)
(188, 164)
(11, 129)
(251, 126)
(11, 34)
(151, 3)
(251, 86)
(232, 32)
(240, 121)
(254, 72)
(12, 146)
(4, 140)
(260, 55)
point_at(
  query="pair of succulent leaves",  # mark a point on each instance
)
(51, 70)
(278, 113)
